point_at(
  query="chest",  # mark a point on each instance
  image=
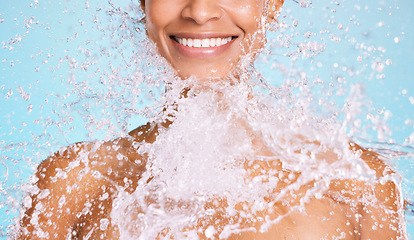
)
(318, 219)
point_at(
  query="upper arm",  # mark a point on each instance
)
(380, 204)
(63, 186)
(377, 203)
(76, 184)
(382, 217)
(382, 208)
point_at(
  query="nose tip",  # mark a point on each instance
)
(201, 11)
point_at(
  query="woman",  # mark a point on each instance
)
(121, 189)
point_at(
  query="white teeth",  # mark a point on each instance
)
(213, 42)
(197, 42)
(205, 42)
(202, 43)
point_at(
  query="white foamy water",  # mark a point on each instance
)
(218, 137)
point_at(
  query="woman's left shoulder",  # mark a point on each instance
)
(374, 161)
(381, 185)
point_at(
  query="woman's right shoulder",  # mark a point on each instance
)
(116, 160)
(112, 161)
(60, 164)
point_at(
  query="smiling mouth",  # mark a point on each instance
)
(203, 42)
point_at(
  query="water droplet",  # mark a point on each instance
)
(104, 222)
(396, 39)
(29, 108)
(378, 66)
(411, 98)
(210, 231)
(308, 34)
(9, 93)
(295, 23)
(388, 62)
(304, 3)
(23, 94)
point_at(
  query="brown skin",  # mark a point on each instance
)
(83, 180)
(89, 198)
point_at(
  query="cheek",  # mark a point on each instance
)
(157, 16)
(252, 24)
(248, 14)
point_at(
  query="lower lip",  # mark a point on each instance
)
(201, 52)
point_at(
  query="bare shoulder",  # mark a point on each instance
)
(77, 183)
(107, 161)
(111, 161)
(378, 201)
(384, 186)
